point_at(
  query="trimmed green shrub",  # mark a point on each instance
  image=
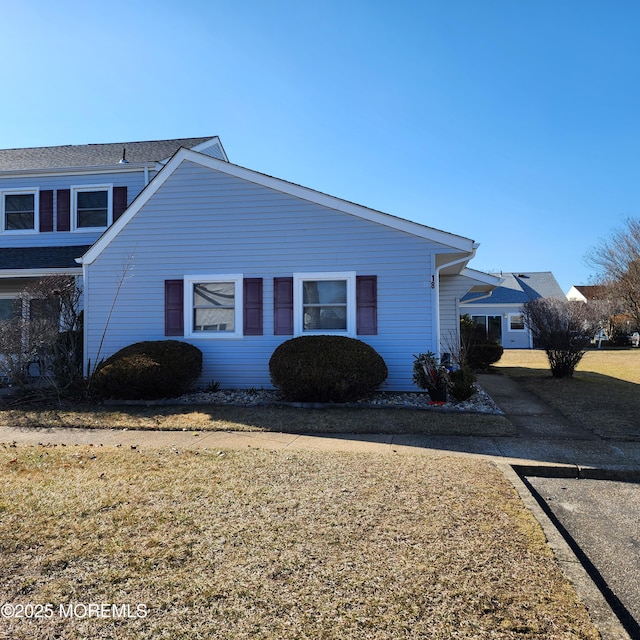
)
(326, 369)
(483, 354)
(479, 351)
(148, 370)
(461, 383)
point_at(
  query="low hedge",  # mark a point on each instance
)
(326, 369)
(148, 370)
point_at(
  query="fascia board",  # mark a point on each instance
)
(37, 273)
(142, 198)
(74, 171)
(482, 277)
(304, 193)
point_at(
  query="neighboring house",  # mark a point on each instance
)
(500, 312)
(585, 293)
(174, 241)
(55, 202)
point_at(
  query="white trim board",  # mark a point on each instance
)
(187, 155)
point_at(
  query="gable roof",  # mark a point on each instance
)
(591, 292)
(482, 282)
(97, 155)
(518, 288)
(449, 240)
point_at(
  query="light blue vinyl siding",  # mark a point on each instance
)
(214, 151)
(203, 221)
(133, 180)
(510, 339)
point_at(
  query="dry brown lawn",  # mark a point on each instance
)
(268, 418)
(603, 395)
(263, 544)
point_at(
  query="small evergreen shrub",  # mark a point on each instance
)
(148, 370)
(483, 354)
(326, 369)
(479, 351)
(462, 383)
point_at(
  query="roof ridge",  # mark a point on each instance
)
(99, 144)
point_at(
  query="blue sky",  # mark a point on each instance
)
(512, 122)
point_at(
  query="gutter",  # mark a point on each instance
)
(484, 297)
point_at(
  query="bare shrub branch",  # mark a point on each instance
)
(563, 329)
(617, 259)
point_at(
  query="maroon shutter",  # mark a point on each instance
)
(252, 302)
(46, 210)
(173, 307)
(283, 306)
(367, 305)
(119, 201)
(64, 209)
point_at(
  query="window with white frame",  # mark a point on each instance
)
(516, 322)
(19, 211)
(92, 208)
(491, 326)
(324, 303)
(214, 305)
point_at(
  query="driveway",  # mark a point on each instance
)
(601, 521)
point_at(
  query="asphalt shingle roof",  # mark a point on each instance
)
(92, 155)
(16, 258)
(518, 288)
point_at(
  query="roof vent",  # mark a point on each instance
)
(124, 160)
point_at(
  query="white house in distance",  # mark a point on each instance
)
(499, 312)
(584, 293)
(172, 240)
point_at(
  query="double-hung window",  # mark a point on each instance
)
(214, 306)
(19, 211)
(324, 303)
(516, 322)
(92, 208)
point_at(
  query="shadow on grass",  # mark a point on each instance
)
(334, 420)
(607, 406)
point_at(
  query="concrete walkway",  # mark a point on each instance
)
(544, 439)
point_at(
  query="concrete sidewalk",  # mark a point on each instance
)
(544, 439)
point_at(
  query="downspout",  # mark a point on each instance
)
(436, 285)
(85, 308)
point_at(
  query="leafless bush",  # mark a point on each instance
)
(617, 259)
(563, 329)
(44, 332)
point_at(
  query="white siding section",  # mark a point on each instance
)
(205, 221)
(452, 288)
